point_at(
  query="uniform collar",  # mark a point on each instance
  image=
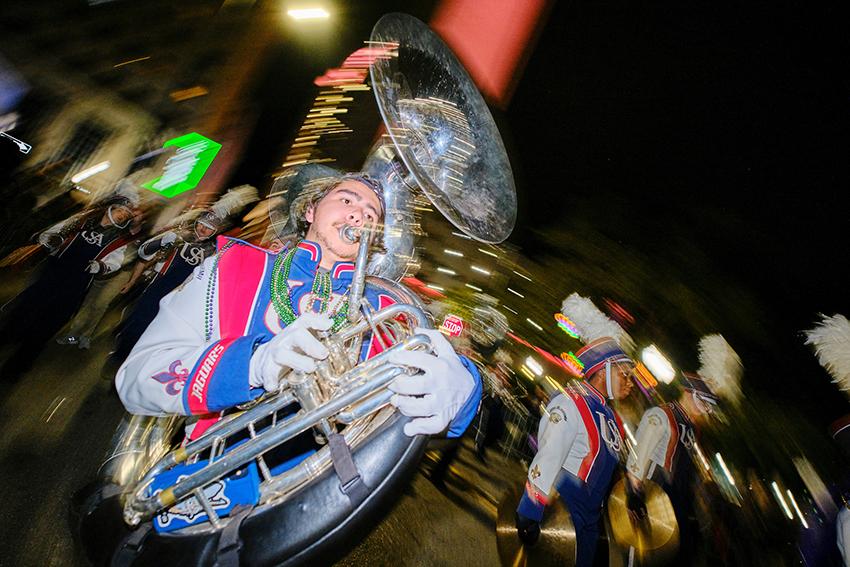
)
(308, 256)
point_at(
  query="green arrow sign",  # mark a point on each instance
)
(184, 170)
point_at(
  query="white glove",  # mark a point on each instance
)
(294, 348)
(93, 267)
(49, 240)
(168, 238)
(435, 396)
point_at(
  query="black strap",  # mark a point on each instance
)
(349, 477)
(229, 543)
(129, 550)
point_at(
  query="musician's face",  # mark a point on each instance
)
(351, 203)
(621, 380)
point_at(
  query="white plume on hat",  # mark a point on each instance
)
(234, 200)
(831, 341)
(720, 367)
(592, 324)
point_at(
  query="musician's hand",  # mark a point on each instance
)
(527, 529)
(50, 240)
(434, 397)
(635, 503)
(295, 348)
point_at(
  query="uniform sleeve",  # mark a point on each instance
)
(114, 260)
(843, 534)
(470, 407)
(151, 246)
(558, 430)
(650, 434)
(174, 369)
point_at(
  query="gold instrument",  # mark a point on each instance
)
(654, 538)
(557, 543)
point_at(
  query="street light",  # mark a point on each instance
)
(658, 364)
(308, 14)
(534, 366)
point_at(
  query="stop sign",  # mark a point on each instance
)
(453, 325)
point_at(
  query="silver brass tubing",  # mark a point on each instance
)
(211, 514)
(139, 507)
(364, 408)
(311, 467)
(205, 442)
(358, 280)
(391, 312)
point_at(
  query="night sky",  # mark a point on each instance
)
(711, 139)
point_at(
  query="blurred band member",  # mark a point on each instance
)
(666, 443)
(87, 245)
(580, 435)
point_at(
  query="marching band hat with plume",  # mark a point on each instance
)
(831, 341)
(605, 341)
(220, 213)
(719, 374)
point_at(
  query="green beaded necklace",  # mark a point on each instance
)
(321, 290)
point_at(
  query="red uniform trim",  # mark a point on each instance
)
(592, 437)
(674, 439)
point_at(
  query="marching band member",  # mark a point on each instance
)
(82, 247)
(225, 336)
(666, 442)
(831, 341)
(580, 434)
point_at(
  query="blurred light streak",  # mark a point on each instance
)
(488, 253)
(781, 500)
(516, 293)
(534, 366)
(447, 271)
(533, 324)
(573, 363)
(816, 486)
(509, 309)
(797, 508)
(462, 235)
(93, 170)
(631, 437)
(566, 325)
(723, 466)
(438, 288)
(453, 253)
(308, 14)
(522, 276)
(190, 93)
(78, 188)
(481, 270)
(701, 456)
(470, 286)
(527, 372)
(658, 364)
(131, 61)
(55, 405)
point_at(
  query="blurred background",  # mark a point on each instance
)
(683, 164)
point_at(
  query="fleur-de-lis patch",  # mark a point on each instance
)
(173, 379)
(534, 472)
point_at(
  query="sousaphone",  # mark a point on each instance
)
(440, 140)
